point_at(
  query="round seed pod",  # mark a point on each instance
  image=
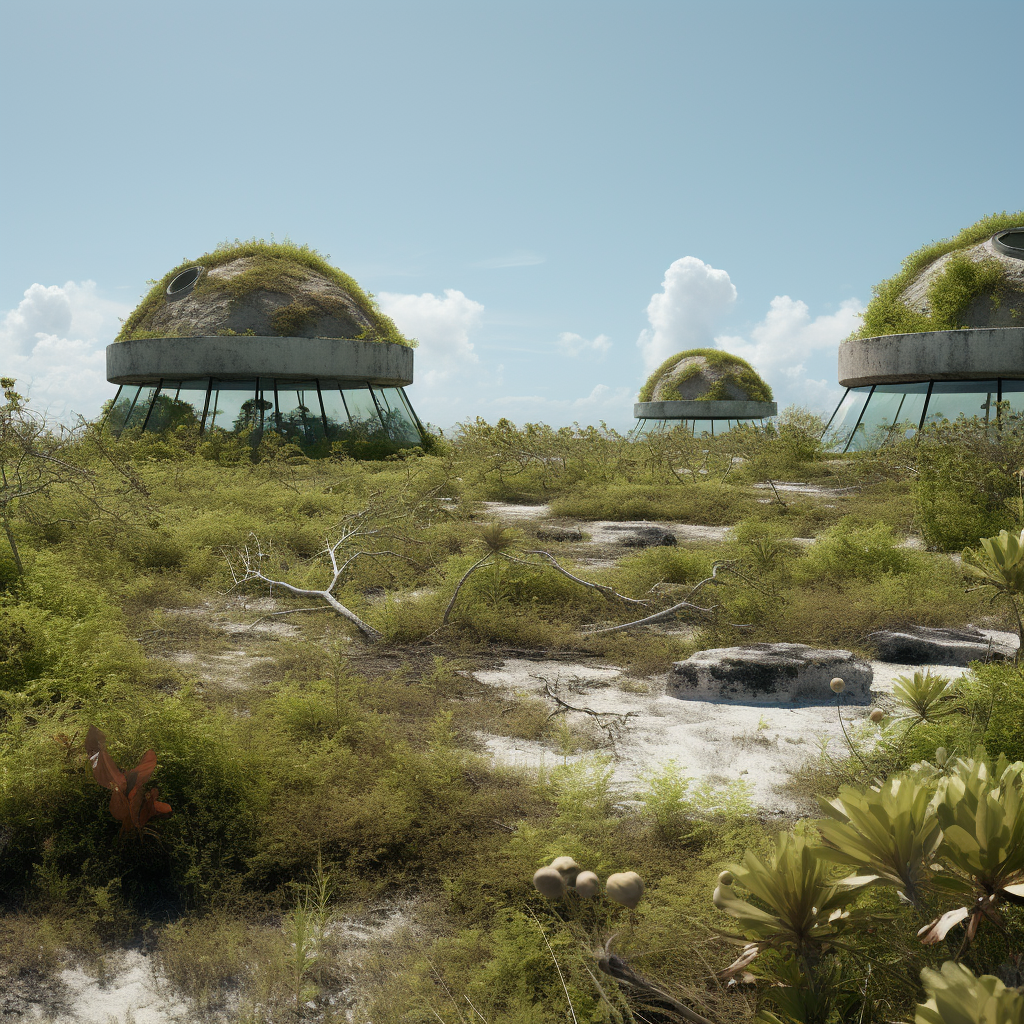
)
(877, 715)
(626, 888)
(725, 878)
(587, 883)
(549, 883)
(567, 868)
(837, 685)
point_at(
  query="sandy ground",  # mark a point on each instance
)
(723, 742)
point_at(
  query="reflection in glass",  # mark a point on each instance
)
(362, 410)
(397, 421)
(233, 407)
(335, 412)
(178, 404)
(1012, 392)
(844, 420)
(137, 416)
(122, 406)
(889, 405)
(298, 411)
(953, 398)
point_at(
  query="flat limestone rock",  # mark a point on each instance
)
(770, 674)
(924, 645)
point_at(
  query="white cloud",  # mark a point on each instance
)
(683, 315)
(575, 344)
(53, 343)
(441, 325)
(786, 340)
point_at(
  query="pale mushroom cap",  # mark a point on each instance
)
(877, 715)
(549, 883)
(837, 685)
(567, 868)
(725, 878)
(587, 883)
(626, 888)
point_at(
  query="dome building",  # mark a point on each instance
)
(705, 390)
(263, 337)
(943, 338)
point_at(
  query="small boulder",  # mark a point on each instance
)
(649, 537)
(924, 645)
(559, 533)
(770, 674)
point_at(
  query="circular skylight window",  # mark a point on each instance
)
(1010, 242)
(181, 284)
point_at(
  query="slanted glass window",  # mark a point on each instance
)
(840, 429)
(397, 421)
(178, 404)
(362, 411)
(1013, 396)
(122, 406)
(233, 406)
(890, 405)
(298, 411)
(698, 427)
(335, 411)
(953, 398)
(140, 409)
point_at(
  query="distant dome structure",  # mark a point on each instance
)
(260, 337)
(941, 339)
(704, 389)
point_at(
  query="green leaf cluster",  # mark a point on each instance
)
(956, 996)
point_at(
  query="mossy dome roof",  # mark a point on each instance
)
(964, 281)
(259, 288)
(705, 374)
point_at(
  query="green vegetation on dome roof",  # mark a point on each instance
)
(737, 370)
(950, 293)
(276, 264)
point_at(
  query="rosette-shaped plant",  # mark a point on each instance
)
(889, 831)
(1000, 566)
(804, 910)
(956, 996)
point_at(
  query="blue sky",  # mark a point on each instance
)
(516, 182)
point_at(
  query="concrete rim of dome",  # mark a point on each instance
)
(976, 353)
(698, 410)
(1010, 242)
(147, 360)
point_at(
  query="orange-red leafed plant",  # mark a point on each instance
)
(127, 802)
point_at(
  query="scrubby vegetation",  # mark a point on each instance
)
(961, 282)
(663, 384)
(316, 773)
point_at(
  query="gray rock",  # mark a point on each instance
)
(649, 537)
(559, 533)
(924, 645)
(770, 674)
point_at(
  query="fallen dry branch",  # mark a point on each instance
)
(610, 722)
(607, 591)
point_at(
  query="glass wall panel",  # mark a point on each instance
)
(397, 420)
(298, 411)
(951, 398)
(699, 427)
(362, 410)
(840, 429)
(335, 410)
(141, 407)
(1013, 396)
(178, 404)
(233, 406)
(890, 405)
(122, 406)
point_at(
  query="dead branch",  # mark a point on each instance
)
(684, 605)
(607, 591)
(250, 564)
(469, 572)
(610, 722)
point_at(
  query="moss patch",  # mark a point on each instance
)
(961, 282)
(733, 369)
(277, 266)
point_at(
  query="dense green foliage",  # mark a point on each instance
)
(274, 264)
(283, 756)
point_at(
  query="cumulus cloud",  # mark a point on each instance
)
(53, 343)
(442, 325)
(795, 353)
(693, 299)
(575, 344)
